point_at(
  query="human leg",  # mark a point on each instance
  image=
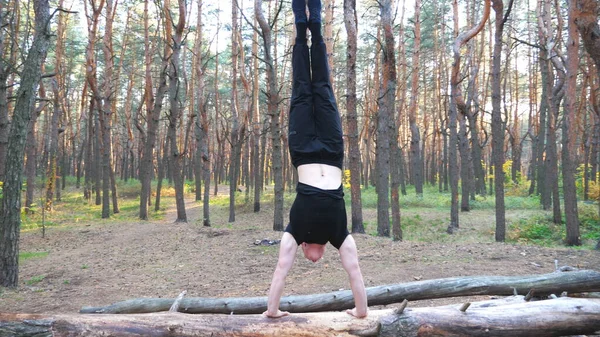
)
(328, 123)
(314, 10)
(301, 128)
(299, 10)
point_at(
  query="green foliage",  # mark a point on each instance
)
(589, 222)
(189, 186)
(536, 230)
(594, 188)
(30, 255)
(35, 279)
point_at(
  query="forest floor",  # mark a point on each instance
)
(98, 263)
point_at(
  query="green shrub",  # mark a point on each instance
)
(589, 221)
(536, 230)
(35, 279)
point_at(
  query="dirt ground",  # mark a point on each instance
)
(104, 263)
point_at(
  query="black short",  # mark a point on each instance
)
(318, 216)
(315, 127)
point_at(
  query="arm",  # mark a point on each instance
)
(349, 256)
(287, 255)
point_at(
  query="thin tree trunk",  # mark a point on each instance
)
(176, 97)
(105, 112)
(162, 162)
(52, 165)
(569, 127)
(350, 21)
(457, 104)
(415, 140)
(273, 112)
(31, 155)
(382, 155)
(258, 168)
(497, 124)
(202, 123)
(153, 111)
(465, 162)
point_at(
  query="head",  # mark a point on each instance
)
(313, 251)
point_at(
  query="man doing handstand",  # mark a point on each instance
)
(318, 214)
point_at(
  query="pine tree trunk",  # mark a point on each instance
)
(273, 112)
(30, 165)
(105, 114)
(51, 169)
(497, 124)
(10, 211)
(350, 21)
(458, 105)
(153, 111)
(235, 137)
(8, 47)
(569, 127)
(382, 153)
(176, 97)
(162, 162)
(416, 169)
(258, 168)
(465, 162)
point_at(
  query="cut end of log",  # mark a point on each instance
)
(177, 302)
(400, 309)
(465, 306)
(529, 295)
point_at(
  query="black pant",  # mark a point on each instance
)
(315, 127)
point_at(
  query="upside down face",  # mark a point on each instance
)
(313, 251)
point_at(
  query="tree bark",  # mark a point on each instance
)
(153, 111)
(570, 131)
(545, 284)
(556, 317)
(11, 32)
(234, 135)
(273, 112)
(587, 24)
(257, 168)
(106, 112)
(384, 119)
(10, 210)
(176, 98)
(497, 123)
(350, 21)
(415, 140)
(31, 154)
(457, 104)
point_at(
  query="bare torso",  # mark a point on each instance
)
(325, 177)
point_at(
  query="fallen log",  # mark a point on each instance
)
(498, 318)
(553, 283)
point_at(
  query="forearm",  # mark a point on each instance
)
(359, 292)
(275, 292)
